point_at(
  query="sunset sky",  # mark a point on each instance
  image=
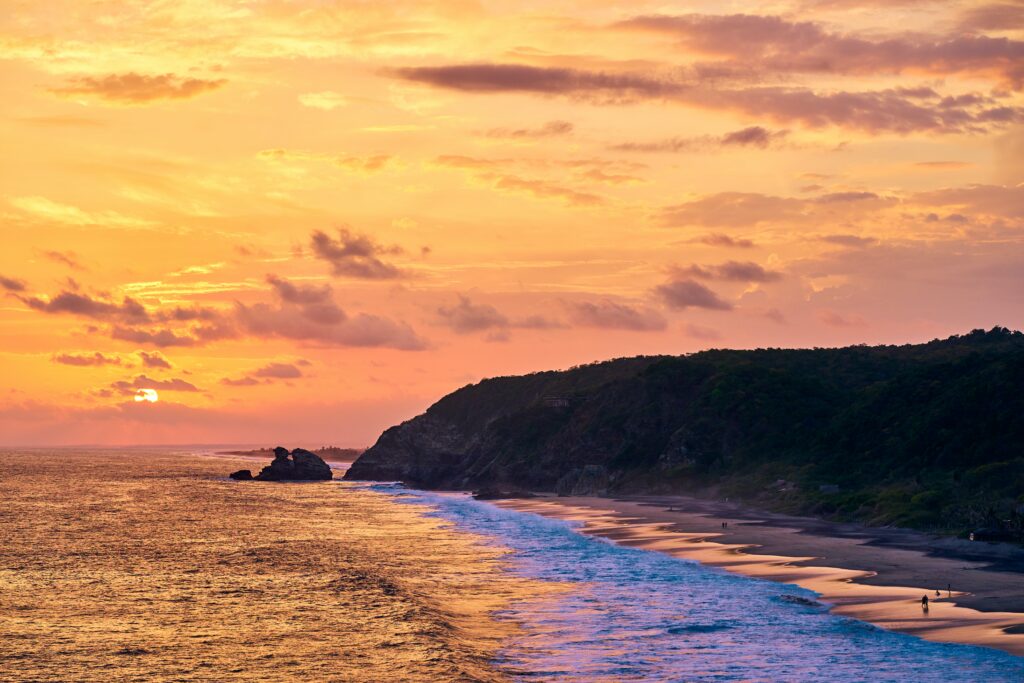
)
(305, 221)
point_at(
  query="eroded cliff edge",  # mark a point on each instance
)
(926, 435)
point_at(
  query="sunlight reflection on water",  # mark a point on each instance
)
(151, 565)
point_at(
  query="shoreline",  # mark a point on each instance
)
(874, 575)
(120, 567)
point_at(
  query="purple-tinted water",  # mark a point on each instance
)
(637, 615)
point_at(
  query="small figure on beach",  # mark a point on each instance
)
(937, 593)
(924, 602)
(949, 589)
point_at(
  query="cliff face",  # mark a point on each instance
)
(425, 451)
(506, 430)
(924, 435)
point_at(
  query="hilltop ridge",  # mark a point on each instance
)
(921, 435)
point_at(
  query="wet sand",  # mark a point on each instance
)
(878, 576)
(149, 566)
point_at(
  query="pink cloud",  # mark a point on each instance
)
(779, 45)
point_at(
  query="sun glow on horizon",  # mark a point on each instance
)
(317, 218)
(146, 396)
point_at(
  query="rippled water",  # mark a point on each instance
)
(153, 566)
(148, 566)
(641, 615)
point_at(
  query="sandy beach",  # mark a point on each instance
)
(877, 575)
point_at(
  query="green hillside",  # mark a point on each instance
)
(927, 436)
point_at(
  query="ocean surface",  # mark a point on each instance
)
(637, 615)
(151, 565)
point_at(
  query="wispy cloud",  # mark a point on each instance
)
(548, 130)
(736, 271)
(357, 164)
(135, 88)
(465, 316)
(154, 360)
(11, 284)
(752, 137)
(127, 310)
(778, 44)
(57, 212)
(720, 240)
(67, 258)
(354, 255)
(86, 359)
(325, 99)
(312, 315)
(614, 315)
(130, 387)
(875, 111)
(265, 375)
(680, 293)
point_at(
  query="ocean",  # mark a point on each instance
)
(638, 615)
(151, 565)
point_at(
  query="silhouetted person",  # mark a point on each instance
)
(949, 589)
(937, 593)
(924, 602)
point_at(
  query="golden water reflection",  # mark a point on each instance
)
(152, 566)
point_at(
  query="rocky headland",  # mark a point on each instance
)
(927, 436)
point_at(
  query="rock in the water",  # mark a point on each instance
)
(498, 492)
(310, 466)
(281, 469)
(801, 600)
(299, 465)
(241, 475)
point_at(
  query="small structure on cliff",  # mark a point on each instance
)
(299, 465)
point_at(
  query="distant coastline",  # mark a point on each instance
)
(333, 453)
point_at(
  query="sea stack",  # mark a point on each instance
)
(299, 465)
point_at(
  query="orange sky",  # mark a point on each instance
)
(306, 221)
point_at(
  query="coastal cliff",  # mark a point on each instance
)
(928, 435)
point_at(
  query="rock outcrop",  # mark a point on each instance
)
(501, 493)
(299, 465)
(506, 434)
(591, 480)
(310, 466)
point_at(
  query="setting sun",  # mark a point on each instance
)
(146, 396)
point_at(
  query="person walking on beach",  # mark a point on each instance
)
(924, 602)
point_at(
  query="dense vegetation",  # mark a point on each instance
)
(927, 436)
